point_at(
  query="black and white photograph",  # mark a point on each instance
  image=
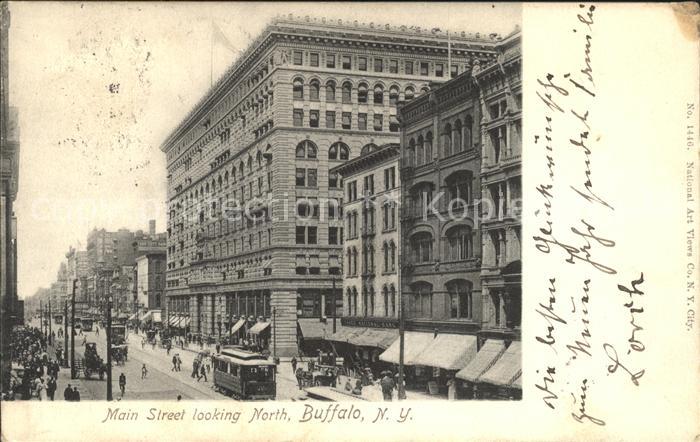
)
(304, 207)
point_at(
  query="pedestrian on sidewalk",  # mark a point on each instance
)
(144, 371)
(68, 394)
(179, 362)
(195, 368)
(299, 375)
(41, 390)
(294, 364)
(174, 363)
(122, 383)
(202, 373)
(76, 394)
(143, 343)
(51, 387)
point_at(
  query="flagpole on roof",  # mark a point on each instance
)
(211, 55)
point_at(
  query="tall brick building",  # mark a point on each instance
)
(304, 97)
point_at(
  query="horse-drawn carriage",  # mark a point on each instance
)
(120, 354)
(92, 362)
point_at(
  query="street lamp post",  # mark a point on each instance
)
(72, 334)
(334, 305)
(65, 330)
(50, 326)
(109, 347)
(41, 317)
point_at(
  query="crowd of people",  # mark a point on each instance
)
(34, 373)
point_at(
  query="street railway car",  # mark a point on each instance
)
(86, 324)
(245, 375)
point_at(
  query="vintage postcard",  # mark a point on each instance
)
(320, 221)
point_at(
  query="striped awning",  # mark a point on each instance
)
(414, 343)
(237, 326)
(447, 351)
(507, 368)
(484, 359)
(258, 328)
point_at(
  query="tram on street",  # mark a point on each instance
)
(245, 375)
(86, 324)
(58, 319)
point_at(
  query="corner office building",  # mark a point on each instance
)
(304, 97)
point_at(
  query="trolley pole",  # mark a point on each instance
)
(65, 331)
(50, 325)
(334, 304)
(109, 348)
(72, 334)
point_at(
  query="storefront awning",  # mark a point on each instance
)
(344, 334)
(132, 317)
(313, 328)
(414, 343)
(484, 359)
(375, 337)
(507, 368)
(237, 326)
(185, 322)
(146, 316)
(518, 382)
(258, 328)
(173, 320)
(156, 316)
(447, 351)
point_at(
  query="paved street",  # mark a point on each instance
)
(161, 382)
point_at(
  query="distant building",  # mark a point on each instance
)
(149, 281)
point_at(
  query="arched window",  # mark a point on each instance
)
(367, 148)
(354, 301)
(233, 174)
(468, 122)
(354, 261)
(349, 295)
(394, 95)
(250, 164)
(378, 94)
(425, 89)
(428, 148)
(408, 94)
(306, 149)
(241, 169)
(347, 92)
(457, 137)
(258, 158)
(422, 300)
(226, 177)
(412, 152)
(422, 247)
(460, 292)
(298, 89)
(330, 91)
(219, 181)
(459, 188)
(392, 299)
(459, 244)
(447, 140)
(385, 295)
(420, 151)
(206, 188)
(362, 93)
(314, 89)
(385, 249)
(392, 256)
(348, 272)
(371, 300)
(338, 150)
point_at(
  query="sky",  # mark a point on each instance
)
(99, 86)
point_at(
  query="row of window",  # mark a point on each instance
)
(363, 92)
(369, 301)
(458, 246)
(389, 261)
(378, 64)
(346, 121)
(368, 184)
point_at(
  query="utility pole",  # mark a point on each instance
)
(401, 389)
(109, 347)
(50, 326)
(65, 330)
(72, 335)
(334, 304)
(274, 334)
(41, 316)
